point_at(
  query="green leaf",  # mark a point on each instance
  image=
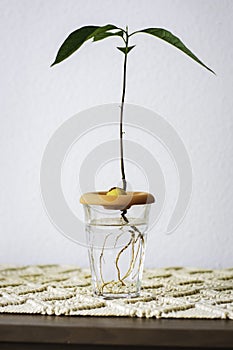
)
(103, 35)
(73, 42)
(173, 40)
(105, 28)
(126, 49)
(77, 38)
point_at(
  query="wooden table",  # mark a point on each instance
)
(63, 333)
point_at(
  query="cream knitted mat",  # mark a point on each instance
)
(166, 293)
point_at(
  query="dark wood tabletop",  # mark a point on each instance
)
(63, 332)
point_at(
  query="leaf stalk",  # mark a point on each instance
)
(124, 182)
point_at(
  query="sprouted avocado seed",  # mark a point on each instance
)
(116, 191)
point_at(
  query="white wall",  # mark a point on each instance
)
(36, 99)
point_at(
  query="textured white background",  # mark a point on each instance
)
(36, 99)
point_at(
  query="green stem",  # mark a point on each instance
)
(124, 182)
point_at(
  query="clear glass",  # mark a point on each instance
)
(116, 248)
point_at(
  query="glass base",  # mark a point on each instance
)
(111, 296)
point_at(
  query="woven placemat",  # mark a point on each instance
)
(173, 292)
